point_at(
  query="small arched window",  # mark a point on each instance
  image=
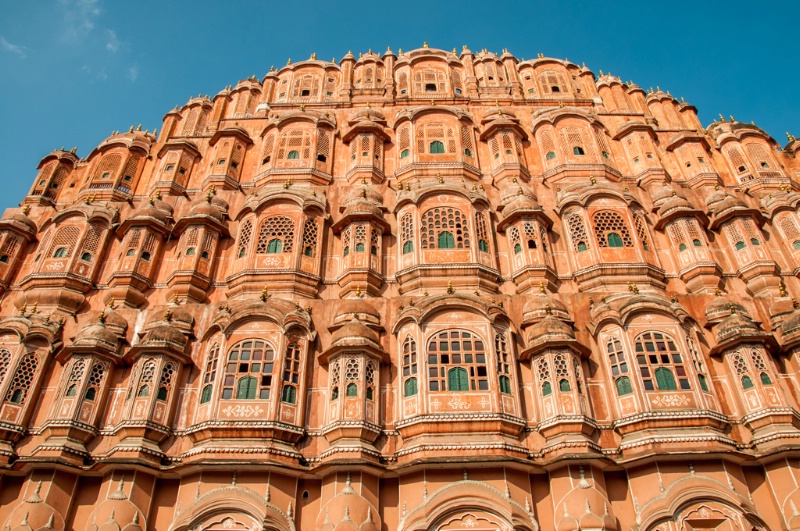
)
(697, 243)
(274, 246)
(547, 389)
(505, 385)
(130, 252)
(581, 246)
(623, 385)
(4, 259)
(577, 150)
(404, 153)
(410, 387)
(291, 374)
(293, 155)
(61, 252)
(408, 247)
(351, 390)
(747, 382)
(550, 155)
(740, 245)
(86, 257)
(754, 241)
(614, 239)
(145, 256)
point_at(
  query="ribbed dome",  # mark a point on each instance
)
(363, 191)
(155, 209)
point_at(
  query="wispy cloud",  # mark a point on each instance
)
(16, 49)
(133, 73)
(112, 42)
(79, 17)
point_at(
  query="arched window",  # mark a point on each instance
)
(660, 362)
(577, 231)
(61, 252)
(550, 155)
(146, 380)
(410, 365)
(483, 237)
(404, 153)
(577, 150)
(436, 147)
(616, 356)
(611, 230)
(457, 361)
(294, 154)
(165, 384)
(95, 379)
(210, 374)
(562, 372)
(291, 374)
(407, 232)
(276, 235)
(352, 375)
(503, 363)
(543, 373)
(249, 358)
(444, 228)
(352, 389)
(623, 384)
(740, 245)
(410, 387)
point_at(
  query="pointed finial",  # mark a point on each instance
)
(264, 294)
(314, 56)
(288, 61)
(425, 44)
(439, 177)
(26, 209)
(450, 289)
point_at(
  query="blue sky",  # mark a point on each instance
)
(75, 70)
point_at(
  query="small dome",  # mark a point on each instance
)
(97, 334)
(541, 305)
(791, 324)
(521, 203)
(367, 115)
(357, 306)
(550, 329)
(736, 324)
(362, 192)
(719, 202)
(355, 330)
(206, 210)
(720, 308)
(21, 222)
(165, 334)
(114, 321)
(672, 203)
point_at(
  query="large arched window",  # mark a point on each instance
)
(276, 235)
(660, 363)
(611, 230)
(444, 228)
(457, 362)
(251, 362)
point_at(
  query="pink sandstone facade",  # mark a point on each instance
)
(416, 291)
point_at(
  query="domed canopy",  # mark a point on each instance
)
(354, 330)
(358, 307)
(721, 308)
(21, 224)
(542, 305)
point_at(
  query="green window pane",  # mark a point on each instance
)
(410, 387)
(546, 388)
(665, 379)
(206, 396)
(246, 390)
(436, 147)
(623, 386)
(408, 247)
(614, 240)
(457, 379)
(446, 240)
(274, 246)
(352, 389)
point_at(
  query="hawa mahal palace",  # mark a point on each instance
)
(423, 290)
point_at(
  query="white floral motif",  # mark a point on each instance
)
(457, 403)
(469, 522)
(670, 400)
(242, 411)
(435, 403)
(483, 402)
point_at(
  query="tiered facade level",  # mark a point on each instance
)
(424, 290)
